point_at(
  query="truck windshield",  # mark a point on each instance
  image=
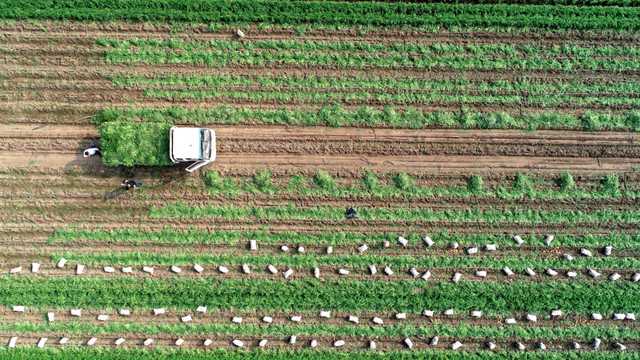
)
(206, 144)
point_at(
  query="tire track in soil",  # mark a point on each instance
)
(268, 157)
(368, 147)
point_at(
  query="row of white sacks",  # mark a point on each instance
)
(607, 250)
(339, 343)
(35, 267)
(327, 314)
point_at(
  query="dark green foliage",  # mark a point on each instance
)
(336, 115)
(212, 179)
(310, 295)
(90, 353)
(324, 180)
(475, 184)
(369, 181)
(610, 185)
(329, 13)
(216, 183)
(132, 144)
(522, 183)
(565, 182)
(402, 181)
(262, 181)
(591, 122)
(509, 215)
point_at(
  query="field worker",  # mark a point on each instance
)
(93, 150)
(131, 184)
(352, 214)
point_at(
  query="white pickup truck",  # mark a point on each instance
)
(192, 144)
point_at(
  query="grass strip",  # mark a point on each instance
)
(331, 14)
(369, 47)
(380, 84)
(310, 295)
(90, 353)
(315, 97)
(252, 57)
(337, 115)
(181, 211)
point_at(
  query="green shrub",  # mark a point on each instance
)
(475, 184)
(135, 143)
(262, 180)
(212, 179)
(591, 122)
(324, 181)
(610, 185)
(565, 181)
(369, 180)
(632, 120)
(402, 181)
(523, 183)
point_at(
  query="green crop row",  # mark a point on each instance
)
(332, 14)
(312, 295)
(529, 2)
(182, 211)
(233, 237)
(382, 84)
(512, 259)
(131, 144)
(403, 98)
(586, 332)
(513, 50)
(403, 185)
(337, 115)
(91, 353)
(252, 57)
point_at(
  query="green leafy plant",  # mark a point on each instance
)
(262, 181)
(610, 185)
(131, 144)
(475, 184)
(212, 179)
(402, 181)
(324, 181)
(565, 182)
(523, 183)
(370, 181)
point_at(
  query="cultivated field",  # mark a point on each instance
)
(489, 148)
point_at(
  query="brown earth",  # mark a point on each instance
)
(282, 342)
(55, 78)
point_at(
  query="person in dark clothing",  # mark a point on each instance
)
(131, 184)
(352, 214)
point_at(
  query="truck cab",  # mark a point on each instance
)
(192, 144)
